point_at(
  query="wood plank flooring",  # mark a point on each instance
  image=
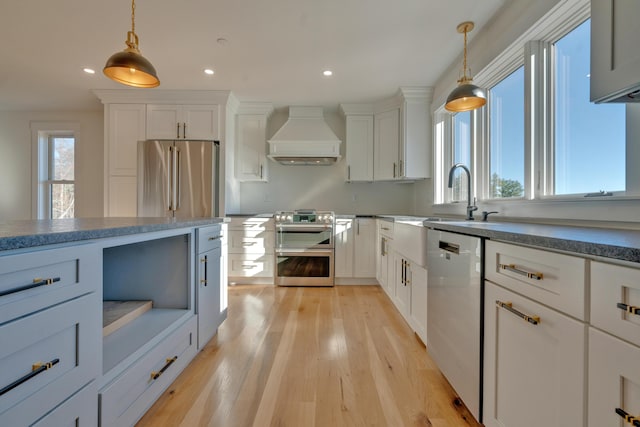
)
(311, 357)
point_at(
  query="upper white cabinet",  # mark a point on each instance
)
(391, 139)
(387, 145)
(168, 121)
(251, 142)
(615, 57)
(124, 127)
(360, 136)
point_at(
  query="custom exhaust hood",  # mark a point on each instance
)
(305, 139)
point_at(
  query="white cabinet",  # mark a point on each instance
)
(251, 250)
(384, 259)
(418, 305)
(360, 136)
(614, 344)
(387, 140)
(251, 142)
(534, 351)
(124, 127)
(534, 369)
(169, 121)
(615, 58)
(355, 255)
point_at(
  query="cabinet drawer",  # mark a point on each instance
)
(385, 228)
(614, 379)
(251, 223)
(612, 285)
(67, 336)
(551, 278)
(251, 265)
(36, 280)
(208, 238)
(251, 241)
(81, 410)
(125, 400)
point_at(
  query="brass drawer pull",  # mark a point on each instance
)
(36, 368)
(634, 421)
(35, 284)
(534, 320)
(628, 308)
(155, 375)
(512, 267)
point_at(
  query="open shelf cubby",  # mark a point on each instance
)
(146, 291)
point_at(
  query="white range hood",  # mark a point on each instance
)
(305, 139)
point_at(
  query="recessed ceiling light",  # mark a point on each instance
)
(208, 71)
(222, 41)
(327, 73)
(89, 70)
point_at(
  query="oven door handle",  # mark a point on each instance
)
(303, 228)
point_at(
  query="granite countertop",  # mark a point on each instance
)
(31, 233)
(608, 243)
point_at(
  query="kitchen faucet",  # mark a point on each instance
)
(470, 207)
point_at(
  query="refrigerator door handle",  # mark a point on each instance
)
(176, 181)
(169, 178)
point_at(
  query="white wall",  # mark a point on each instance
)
(322, 187)
(15, 162)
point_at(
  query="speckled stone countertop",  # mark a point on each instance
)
(31, 233)
(608, 243)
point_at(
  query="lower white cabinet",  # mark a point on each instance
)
(534, 370)
(355, 248)
(208, 302)
(402, 280)
(614, 380)
(418, 307)
(251, 256)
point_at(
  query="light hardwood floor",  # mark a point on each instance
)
(297, 357)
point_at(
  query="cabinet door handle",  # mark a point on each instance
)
(401, 171)
(155, 375)
(261, 171)
(534, 320)
(35, 284)
(628, 308)
(214, 238)
(249, 266)
(36, 368)
(349, 173)
(206, 267)
(184, 130)
(529, 275)
(634, 421)
(177, 130)
(394, 169)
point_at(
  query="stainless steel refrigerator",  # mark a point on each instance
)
(178, 178)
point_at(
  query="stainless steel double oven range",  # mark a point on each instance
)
(304, 248)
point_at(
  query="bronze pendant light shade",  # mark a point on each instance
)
(466, 96)
(129, 67)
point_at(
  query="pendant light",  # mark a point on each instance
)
(466, 96)
(129, 67)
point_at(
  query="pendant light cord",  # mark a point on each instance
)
(464, 70)
(133, 19)
(132, 37)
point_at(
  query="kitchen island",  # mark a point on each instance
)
(56, 279)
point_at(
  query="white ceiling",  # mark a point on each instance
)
(276, 49)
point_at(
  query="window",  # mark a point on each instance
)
(461, 153)
(506, 137)
(539, 138)
(584, 131)
(53, 164)
(59, 185)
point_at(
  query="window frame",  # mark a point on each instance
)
(41, 133)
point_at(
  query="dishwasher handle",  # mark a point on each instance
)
(449, 247)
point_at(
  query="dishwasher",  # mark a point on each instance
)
(454, 312)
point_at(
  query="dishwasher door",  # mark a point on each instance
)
(454, 310)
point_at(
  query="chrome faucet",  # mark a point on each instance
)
(470, 207)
